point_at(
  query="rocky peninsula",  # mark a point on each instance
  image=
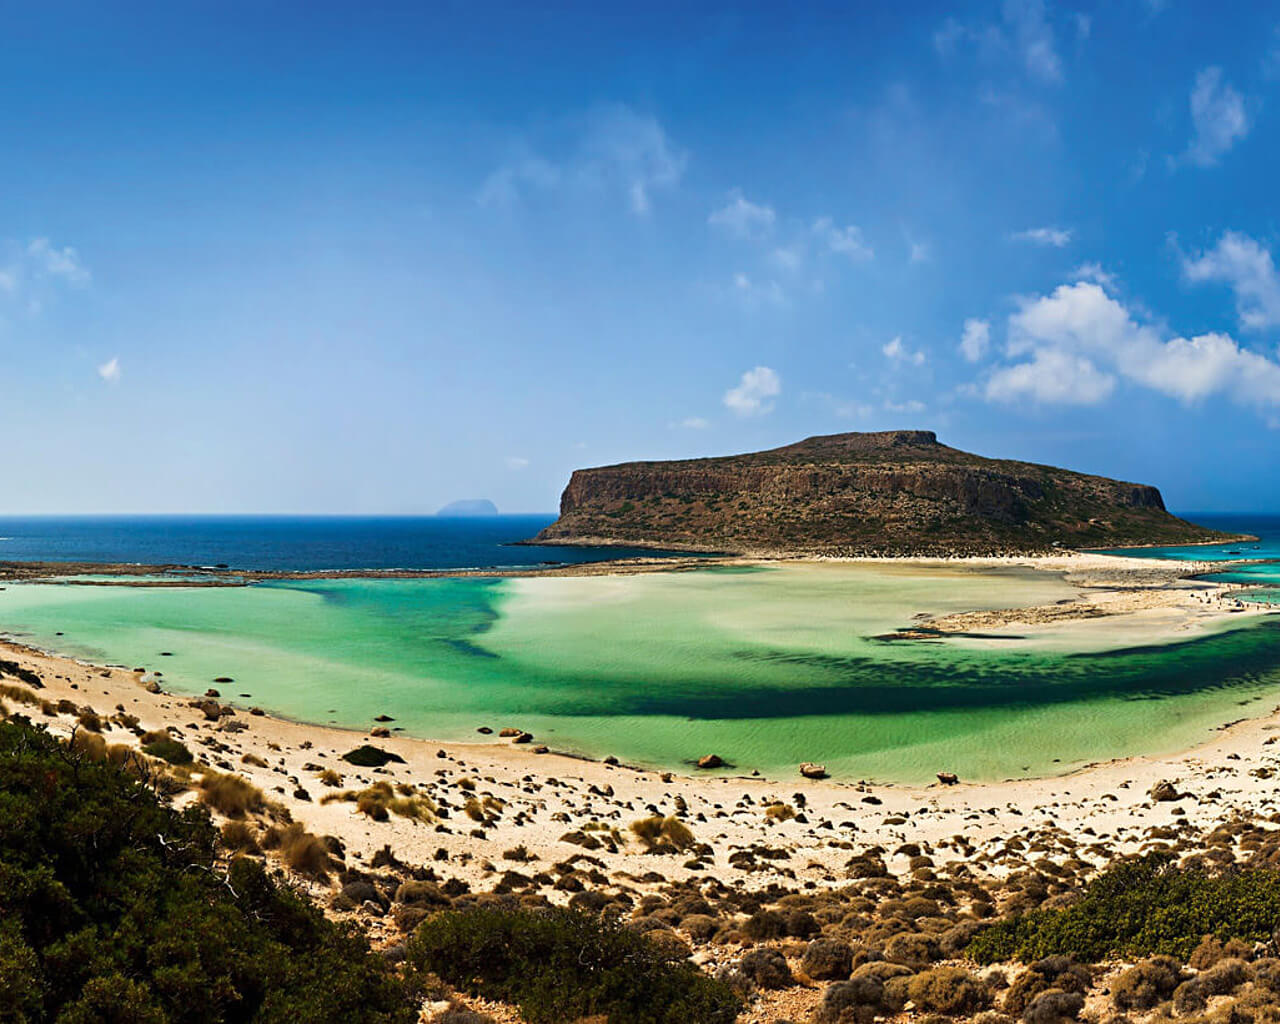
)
(892, 493)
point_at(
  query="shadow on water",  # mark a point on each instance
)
(1245, 658)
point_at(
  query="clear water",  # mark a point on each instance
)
(1263, 579)
(294, 543)
(765, 667)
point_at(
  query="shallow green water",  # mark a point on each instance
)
(765, 667)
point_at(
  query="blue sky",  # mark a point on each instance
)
(327, 257)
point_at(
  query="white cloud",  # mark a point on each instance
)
(1090, 271)
(616, 149)
(1033, 39)
(110, 370)
(975, 339)
(1079, 340)
(1053, 377)
(1218, 117)
(742, 218)
(694, 423)
(64, 263)
(788, 257)
(8, 280)
(516, 462)
(754, 294)
(752, 396)
(919, 252)
(895, 351)
(1247, 268)
(1024, 34)
(847, 240)
(1056, 237)
(911, 405)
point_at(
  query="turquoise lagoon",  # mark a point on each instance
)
(766, 667)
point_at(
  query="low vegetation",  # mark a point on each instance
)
(114, 906)
(559, 964)
(1140, 907)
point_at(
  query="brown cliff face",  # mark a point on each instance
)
(895, 492)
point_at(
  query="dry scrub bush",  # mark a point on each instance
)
(229, 794)
(663, 835)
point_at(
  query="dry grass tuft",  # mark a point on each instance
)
(663, 835)
(230, 794)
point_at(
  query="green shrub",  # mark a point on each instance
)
(114, 906)
(558, 964)
(168, 749)
(1139, 907)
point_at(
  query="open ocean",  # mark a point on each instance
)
(292, 543)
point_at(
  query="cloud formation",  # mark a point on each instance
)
(617, 149)
(975, 339)
(110, 370)
(1219, 119)
(895, 351)
(741, 218)
(1023, 33)
(1076, 343)
(1056, 237)
(754, 393)
(847, 241)
(50, 261)
(1246, 267)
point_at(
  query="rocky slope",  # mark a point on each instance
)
(891, 493)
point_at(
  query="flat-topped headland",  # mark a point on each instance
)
(892, 493)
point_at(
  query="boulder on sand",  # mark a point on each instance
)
(711, 761)
(813, 771)
(948, 778)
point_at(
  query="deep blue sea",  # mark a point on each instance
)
(291, 543)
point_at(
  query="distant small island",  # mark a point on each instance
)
(469, 507)
(892, 493)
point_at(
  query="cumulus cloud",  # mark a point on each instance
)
(1245, 266)
(110, 370)
(742, 218)
(895, 351)
(1074, 344)
(1056, 237)
(754, 393)
(616, 149)
(847, 240)
(1051, 376)
(1219, 118)
(975, 339)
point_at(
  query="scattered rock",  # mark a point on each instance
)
(711, 761)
